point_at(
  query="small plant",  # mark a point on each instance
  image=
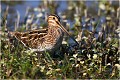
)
(96, 57)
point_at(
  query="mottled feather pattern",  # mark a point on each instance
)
(39, 38)
(28, 37)
(44, 39)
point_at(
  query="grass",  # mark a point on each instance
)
(97, 61)
(95, 58)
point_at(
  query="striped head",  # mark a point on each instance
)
(53, 20)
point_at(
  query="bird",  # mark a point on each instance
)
(48, 39)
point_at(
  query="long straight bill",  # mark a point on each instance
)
(67, 32)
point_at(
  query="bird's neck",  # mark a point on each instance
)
(54, 31)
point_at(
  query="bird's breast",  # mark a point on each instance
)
(52, 40)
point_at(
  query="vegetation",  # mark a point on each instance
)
(97, 56)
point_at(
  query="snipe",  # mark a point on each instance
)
(45, 39)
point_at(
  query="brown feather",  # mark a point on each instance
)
(28, 37)
(43, 39)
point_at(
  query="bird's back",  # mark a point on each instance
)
(40, 40)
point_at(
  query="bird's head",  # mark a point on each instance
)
(54, 21)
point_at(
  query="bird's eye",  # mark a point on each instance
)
(53, 17)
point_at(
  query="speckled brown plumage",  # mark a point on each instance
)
(44, 39)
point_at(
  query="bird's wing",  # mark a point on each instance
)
(28, 38)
